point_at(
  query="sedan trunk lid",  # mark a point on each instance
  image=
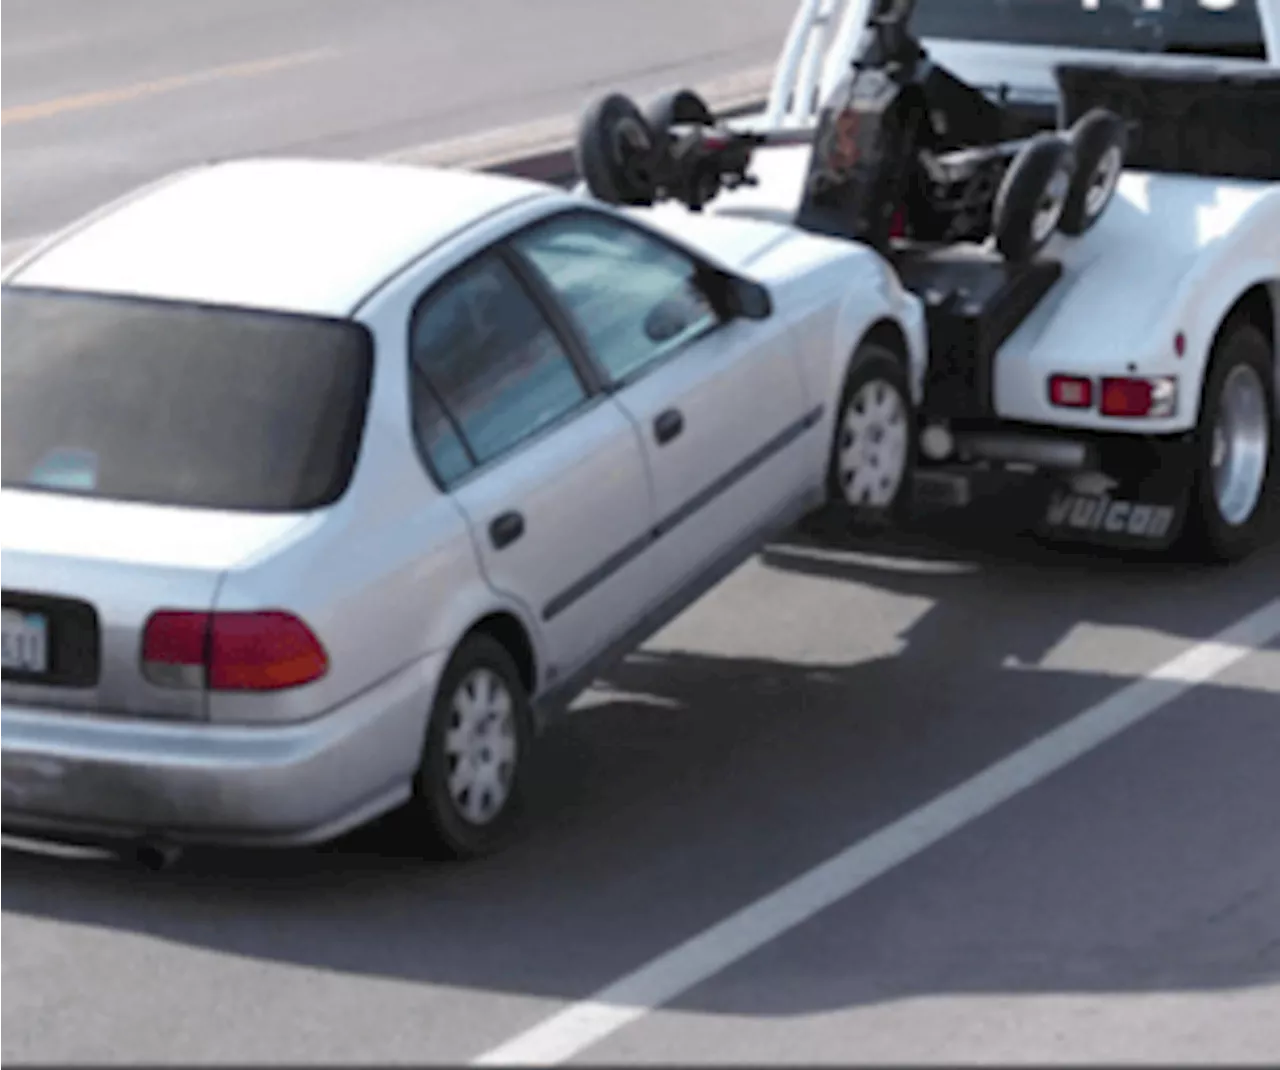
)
(81, 578)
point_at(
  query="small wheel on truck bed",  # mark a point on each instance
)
(873, 448)
(680, 107)
(1234, 476)
(1032, 197)
(617, 152)
(1099, 140)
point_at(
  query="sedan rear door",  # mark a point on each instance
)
(547, 468)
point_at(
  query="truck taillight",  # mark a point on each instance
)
(233, 651)
(1137, 397)
(1071, 392)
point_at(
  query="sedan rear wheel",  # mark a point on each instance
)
(471, 780)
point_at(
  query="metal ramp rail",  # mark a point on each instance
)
(819, 47)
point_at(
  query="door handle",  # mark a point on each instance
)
(668, 425)
(506, 529)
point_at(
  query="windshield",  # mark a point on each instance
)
(1229, 28)
(179, 405)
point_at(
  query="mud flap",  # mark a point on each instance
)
(1138, 501)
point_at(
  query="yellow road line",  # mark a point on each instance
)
(102, 98)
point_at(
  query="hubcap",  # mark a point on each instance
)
(480, 746)
(1049, 209)
(1241, 441)
(1103, 182)
(872, 453)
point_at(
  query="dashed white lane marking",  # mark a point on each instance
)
(581, 1025)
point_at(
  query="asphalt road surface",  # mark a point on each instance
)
(1040, 788)
(99, 97)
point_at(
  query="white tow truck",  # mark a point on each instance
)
(1126, 367)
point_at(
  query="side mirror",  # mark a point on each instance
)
(747, 299)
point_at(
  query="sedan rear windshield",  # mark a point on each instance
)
(1229, 28)
(176, 404)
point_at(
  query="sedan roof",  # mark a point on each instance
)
(304, 236)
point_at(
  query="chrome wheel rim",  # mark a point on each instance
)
(480, 746)
(1103, 182)
(1241, 440)
(874, 438)
(1050, 206)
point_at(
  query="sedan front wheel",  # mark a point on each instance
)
(873, 448)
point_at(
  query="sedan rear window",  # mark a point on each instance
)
(1228, 28)
(175, 404)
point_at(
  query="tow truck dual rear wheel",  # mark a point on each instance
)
(469, 790)
(873, 445)
(1234, 475)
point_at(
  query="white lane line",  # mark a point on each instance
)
(490, 147)
(581, 1025)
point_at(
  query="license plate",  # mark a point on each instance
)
(26, 642)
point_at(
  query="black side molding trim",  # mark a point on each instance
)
(582, 587)
(738, 472)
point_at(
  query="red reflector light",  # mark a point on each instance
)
(1071, 392)
(263, 651)
(1126, 397)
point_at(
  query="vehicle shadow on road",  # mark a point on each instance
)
(700, 779)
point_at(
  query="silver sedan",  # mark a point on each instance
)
(326, 483)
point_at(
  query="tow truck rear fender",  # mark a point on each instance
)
(1173, 255)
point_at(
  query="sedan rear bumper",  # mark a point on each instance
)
(69, 776)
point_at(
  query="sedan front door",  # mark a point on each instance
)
(720, 404)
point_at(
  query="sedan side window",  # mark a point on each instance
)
(488, 370)
(634, 298)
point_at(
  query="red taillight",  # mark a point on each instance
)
(263, 651)
(898, 224)
(1126, 397)
(175, 648)
(1071, 392)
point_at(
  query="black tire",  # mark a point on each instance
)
(1208, 535)
(848, 509)
(1099, 140)
(435, 811)
(1039, 177)
(680, 107)
(616, 152)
